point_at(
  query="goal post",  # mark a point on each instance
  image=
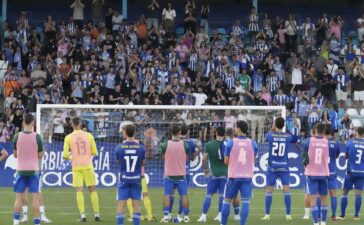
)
(153, 128)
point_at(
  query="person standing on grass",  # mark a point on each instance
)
(278, 166)
(240, 155)
(83, 147)
(28, 149)
(174, 153)
(131, 158)
(316, 161)
(355, 173)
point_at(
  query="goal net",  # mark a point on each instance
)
(153, 128)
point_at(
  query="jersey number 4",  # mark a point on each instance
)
(278, 149)
(130, 162)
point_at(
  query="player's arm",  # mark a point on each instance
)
(66, 148)
(163, 149)
(337, 149)
(40, 146)
(305, 153)
(93, 144)
(204, 161)
(15, 140)
(347, 149)
(3, 154)
(255, 148)
(227, 150)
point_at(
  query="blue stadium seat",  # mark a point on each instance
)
(180, 31)
(221, 30)
(353, 34)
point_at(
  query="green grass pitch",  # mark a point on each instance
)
(61, 207)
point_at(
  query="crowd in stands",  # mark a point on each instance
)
(310, 67)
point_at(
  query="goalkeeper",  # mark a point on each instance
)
(83, 148)
(146, 199)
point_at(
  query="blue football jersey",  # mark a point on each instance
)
(334, 151)
(191, 151)
(278, 150)
(130, 156)
(355, 154)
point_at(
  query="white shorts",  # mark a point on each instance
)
(358, 95)
(341, 95)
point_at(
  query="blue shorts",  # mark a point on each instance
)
(129, 190)
(24, 182)
(272, 177)
(215, 185)
(353, 181)
(332, 183)
(316, 186)
(234, 186)
(180, 185)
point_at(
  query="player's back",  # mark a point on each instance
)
(241, 158)
(318, 156)
(80, 144)
(334, 151)
(27, 151)
(278, 150)
(355, 151)
(130, 155)
(214, 149)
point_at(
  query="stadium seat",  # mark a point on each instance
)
(352, 112)
(356, 123)
(221, 30)
(353, 34)
(180, 31)
(362, 112)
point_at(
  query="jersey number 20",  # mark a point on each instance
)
(278, 149)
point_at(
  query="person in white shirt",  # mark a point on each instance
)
(332, 67)
(306, 26)
(78, 17)
(360, 22)
(200, 97)
(169, 15)
(291, 33)
(117, 20)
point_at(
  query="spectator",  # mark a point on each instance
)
(152, 15)
(335, 27)
(253, 24)
(50, 29)
(291, 33)
(169, 16)
(108, 20)
(97, 11)
(117, 20)
(78, 17)
(342, 81)
(205, 11)
(360, 22)
(190, 20)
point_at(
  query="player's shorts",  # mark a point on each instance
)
(272, 177)
(181, 186)
(81, 177)
(129, 190)
(24, 182)
(316, 186)
(234, 186)
(144, 185)
(215, 185)
(353, 181)
(332, 183)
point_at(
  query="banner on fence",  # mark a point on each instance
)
(57, 172)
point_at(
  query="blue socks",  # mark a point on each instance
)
(314, 212)
(120, 219)
(180, 208)
(171, 202)
(287, 202)
(343, 204)
(225, 212)
(207, 203)
(186, 211)
(136, 218)
(318, 203)
(333, 205)
(16, 216)
(221, 200)
(324, 209)
(166, 210)
(36, 221)
(357, 205)
(268, 202)
(244, 211)
(236, 209)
